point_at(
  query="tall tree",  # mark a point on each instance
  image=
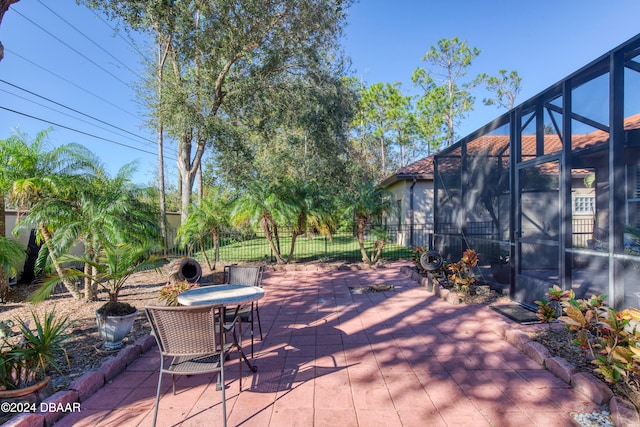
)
(385, 115)
(312, 213)
(262, 205)
(506, 88)
(103, 209)
(219, 50)
(39, 174)
(206, 219)
(369, 203)
(447, 98)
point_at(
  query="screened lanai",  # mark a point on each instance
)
(549, 193)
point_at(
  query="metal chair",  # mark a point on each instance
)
(248, 276)
(193, 338)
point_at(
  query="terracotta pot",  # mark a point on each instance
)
(21, 392)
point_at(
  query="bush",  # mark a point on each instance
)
(606, 336)
(26, 355)
(169, 292)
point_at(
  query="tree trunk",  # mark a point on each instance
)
(88, 283)
(162, 190)
(4, 278)
(360, 235)
(162, 58)
(294, 236)
(204, 253)
(379, 245)
(71, 287)
(4, 285)
(268, 235)
(200, 185)
(216, 243)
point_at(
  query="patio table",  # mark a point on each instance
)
(226, 296)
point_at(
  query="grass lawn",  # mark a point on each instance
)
(342, 247)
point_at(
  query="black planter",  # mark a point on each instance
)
(501, 272)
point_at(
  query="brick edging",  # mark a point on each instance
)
(84, 386)
(623, 412)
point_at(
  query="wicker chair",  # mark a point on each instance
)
(249, 276)
(193, 338)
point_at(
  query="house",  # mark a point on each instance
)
(570, 153)
(412, 189)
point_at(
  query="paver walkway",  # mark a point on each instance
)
(331, 358)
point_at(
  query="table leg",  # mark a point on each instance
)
(252, 367)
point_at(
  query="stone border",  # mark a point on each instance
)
(84, 386)
(623, 412)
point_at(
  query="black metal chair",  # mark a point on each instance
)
(192, 337)
(248, 276)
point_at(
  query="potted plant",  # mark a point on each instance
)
(169, 292)
(110, 269)
(501, 269)
(26, 355)
(498, 260)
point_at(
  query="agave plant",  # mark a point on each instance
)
(26, 356)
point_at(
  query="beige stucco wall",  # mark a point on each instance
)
(422, 202)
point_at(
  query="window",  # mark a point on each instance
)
(584, 205)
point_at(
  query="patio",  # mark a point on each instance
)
(398, 358)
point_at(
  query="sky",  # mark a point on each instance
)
(66, 68)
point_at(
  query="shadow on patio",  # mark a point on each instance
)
(398, 358)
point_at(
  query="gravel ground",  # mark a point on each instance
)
(84, 345)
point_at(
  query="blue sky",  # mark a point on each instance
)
(543, 40)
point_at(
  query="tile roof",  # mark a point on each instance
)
(498, 145)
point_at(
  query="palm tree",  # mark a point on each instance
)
(261, 205)
(105, 210)
(32, 173)
(204, 220)
(370, 202)
(11, 255)
(111, 268)
(313, 213)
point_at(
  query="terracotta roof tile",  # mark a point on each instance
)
(496, 145)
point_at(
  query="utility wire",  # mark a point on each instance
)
(117, 32)
(81, 120)
(90, 39)
(60, 112)
(74, 110)
(84, 133)
(70, 82)
(75, 50)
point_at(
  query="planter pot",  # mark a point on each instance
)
(114, 328)
(34, 393)
(501, 273)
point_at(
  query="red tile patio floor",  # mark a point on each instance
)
(329, 358)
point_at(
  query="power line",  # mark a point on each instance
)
(70, 82)
(116, 32)
(83, 133)
(59, 111)
(83, 121)
(90, 39)
(74, 110)
(75, 50)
